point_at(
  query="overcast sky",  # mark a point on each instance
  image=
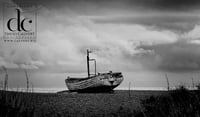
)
(143, 39)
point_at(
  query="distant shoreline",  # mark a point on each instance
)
(54, 90)
(68, 92)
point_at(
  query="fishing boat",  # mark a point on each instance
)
(101, 82)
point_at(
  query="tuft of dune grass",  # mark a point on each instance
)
(179, 103)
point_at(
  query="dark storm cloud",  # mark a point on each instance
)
(109, 8)
(180, 56)
(178, 23)
(151, 18)
(120, 4)
(168, 4)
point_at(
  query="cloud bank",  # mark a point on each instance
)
(180, 56)
(120, 37)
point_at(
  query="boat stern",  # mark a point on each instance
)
(111, 79)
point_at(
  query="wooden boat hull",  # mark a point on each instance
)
(104, 82)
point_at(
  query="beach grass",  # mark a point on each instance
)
(121, 103)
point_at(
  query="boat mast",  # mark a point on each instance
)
(88, 66)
